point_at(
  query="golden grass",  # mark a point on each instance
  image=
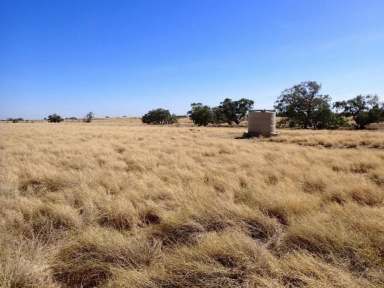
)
(332, 138)
(115, 203)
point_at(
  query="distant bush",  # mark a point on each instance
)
(55, 118)
(159, 116)
(200, 114)
(89, 117)
(15, 120)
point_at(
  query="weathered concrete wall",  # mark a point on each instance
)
(262, 122)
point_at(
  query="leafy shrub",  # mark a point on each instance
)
(159, 116)
(54, 118)
(200, 114)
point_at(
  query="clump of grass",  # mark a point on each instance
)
(119, 214)
(46, 220)
(90, 257)
(149, 216)
(30, 183)
(305, 270)
(35, 219)
(123, 278)
(24, 264)
(176, 232)
(342, 232)
(219, 260)
(220, 216)
(367, 195)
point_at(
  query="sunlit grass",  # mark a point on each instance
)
(115, 203)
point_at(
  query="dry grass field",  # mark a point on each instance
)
(114, 203)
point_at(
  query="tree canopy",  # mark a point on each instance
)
(89, 117)
(55, 118)
(364, 109)
(200, 114)
(233, 111)
(305, 107)
(159, 116)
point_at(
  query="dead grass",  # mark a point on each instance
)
(89, 258)
(332, 138)
(114, 203)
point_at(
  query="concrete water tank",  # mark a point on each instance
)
(262, 123)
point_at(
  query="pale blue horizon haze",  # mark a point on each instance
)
(126, 57)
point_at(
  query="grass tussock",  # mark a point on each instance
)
(351, 234)
(118, 204)
(219, 260)
(118, 214)
(89, 258)
(25, 264)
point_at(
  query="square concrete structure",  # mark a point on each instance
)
(262, 123)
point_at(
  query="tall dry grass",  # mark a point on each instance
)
(118, 204)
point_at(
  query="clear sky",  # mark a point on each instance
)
(124, 57)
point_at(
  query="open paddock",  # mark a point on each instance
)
(115, 203)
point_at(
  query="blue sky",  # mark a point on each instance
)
(126, 57)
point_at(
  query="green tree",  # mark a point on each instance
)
(232, 111)
(89, 117)
(200, 114)
(55, 118)
(364, 109)
(325, 118)
(305, 107)
(218, 115)
(159, 116)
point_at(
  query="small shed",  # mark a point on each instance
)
(262, 123)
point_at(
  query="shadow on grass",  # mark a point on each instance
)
(247, 135)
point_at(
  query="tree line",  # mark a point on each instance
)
(56, 118)
(301, 106)
(227, 112)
